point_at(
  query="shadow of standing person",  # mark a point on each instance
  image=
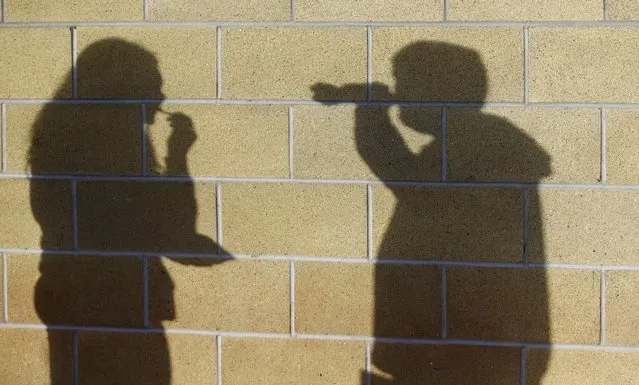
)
(90, 288)
(488, 312)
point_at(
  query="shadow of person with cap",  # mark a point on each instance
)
(81, 285)
(473, 322)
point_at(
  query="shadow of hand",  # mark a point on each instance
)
(183, 135)
(324, 92)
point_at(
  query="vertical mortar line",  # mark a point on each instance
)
(445, 10)
(444, 136)
(369, 63)
(525, 225)
(605, 9)
(5, 287)
(218, 343)
(292, 10)
(444, 149)
(602, 307)
(444, 302)
(367, 363)
(145, 290)
(290, 142)
(369, 222)
(604, 170)
(74, 61)
(4, 11)
(76, 359)
(218, 63)
(145, 9)
(74, 213)
(526, 64)
(3, 135)
(143, 144)
(292, 294)
(522, 366)
(218, 216)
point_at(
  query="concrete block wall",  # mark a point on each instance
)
(360, 192)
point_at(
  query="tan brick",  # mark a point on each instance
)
(585, 367)
(449, 64)
(26, 355)
(528, 10)
(528, 145)
(345, 142)
(147, 216)
(369, 10)
(3, 284)
(584, 226)
(184, 57)
(298, 219)
(446, 365)
(622, 153)
(57, 140)
(36, 63)
(75, 290)
(250, 10)
(291, 362)
(70, 10)
(26, 206)
(584, 65)
(366, 299)
(477, 224)
(511, 304)
(3, 137)
(622, 312)
(623, 9)
(146, 359)
(232, 140)
(286, 62)
(234, 295)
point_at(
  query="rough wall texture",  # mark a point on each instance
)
(359, 192)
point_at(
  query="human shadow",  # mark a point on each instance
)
(482, 314)
(81, 284)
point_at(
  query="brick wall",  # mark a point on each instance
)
(331, 192)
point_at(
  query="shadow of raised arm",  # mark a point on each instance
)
(378, 141)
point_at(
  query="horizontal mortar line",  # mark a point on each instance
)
(584, 266)
(326, 337)
(308, 102)
(306, 24)
(315, 259)
(117, 253)
(106, 329)
(470, 342)
(183, 179)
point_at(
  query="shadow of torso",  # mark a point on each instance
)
(468, 224)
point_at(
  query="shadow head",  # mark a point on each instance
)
(434, 71)
(114, 68)
(93, 139)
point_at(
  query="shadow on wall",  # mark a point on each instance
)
(102, 291)
(474, 224)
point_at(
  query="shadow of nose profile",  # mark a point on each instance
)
(454, 297)
(132, 222)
